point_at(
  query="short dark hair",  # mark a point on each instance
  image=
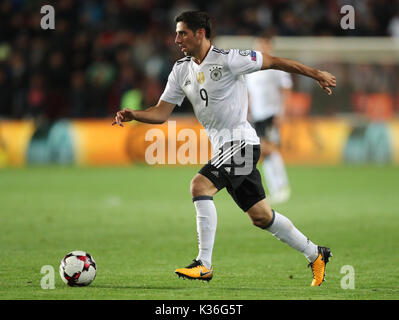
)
(196, 20)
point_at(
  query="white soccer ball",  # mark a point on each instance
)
(78, 268)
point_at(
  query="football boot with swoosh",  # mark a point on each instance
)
(195, 271)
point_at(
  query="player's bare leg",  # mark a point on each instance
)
(261, 214)
(274, 172)
(283, 229)
(202, 186)
(202, 191)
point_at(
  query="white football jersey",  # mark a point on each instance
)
(217, 91)
(265, 97)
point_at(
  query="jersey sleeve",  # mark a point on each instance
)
(244, 61)
(173, 92)
(286, 80)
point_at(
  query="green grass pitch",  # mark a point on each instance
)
(138, 222)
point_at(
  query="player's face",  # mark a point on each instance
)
(188, 41)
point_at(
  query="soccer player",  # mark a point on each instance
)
(213, 81)
(268, 94)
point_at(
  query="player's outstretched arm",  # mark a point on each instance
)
(156, 115)
(325, 79)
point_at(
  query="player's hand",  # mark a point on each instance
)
(124, 115)
(326, 80)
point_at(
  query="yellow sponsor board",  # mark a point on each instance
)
(183, 141)
(177, 141)
(14, 140)
(314, 141)
(393, 129)
(97, 142)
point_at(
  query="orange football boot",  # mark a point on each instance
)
(319, 266)
(196, 270)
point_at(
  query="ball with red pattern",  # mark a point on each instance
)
(78, 268)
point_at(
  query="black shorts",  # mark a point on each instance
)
(234, 168)
(267, 130)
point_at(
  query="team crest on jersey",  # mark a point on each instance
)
(244, 52)
(200, 77)
(216, 73)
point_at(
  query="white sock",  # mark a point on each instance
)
(206, 228)
(269, 173)
(278, 167)
(284, 230)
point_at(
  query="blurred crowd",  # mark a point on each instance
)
(106, 54)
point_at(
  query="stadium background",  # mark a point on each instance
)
(59, 89)
(71, 181)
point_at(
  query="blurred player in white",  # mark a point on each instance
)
(213, 81)
(269, 91)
